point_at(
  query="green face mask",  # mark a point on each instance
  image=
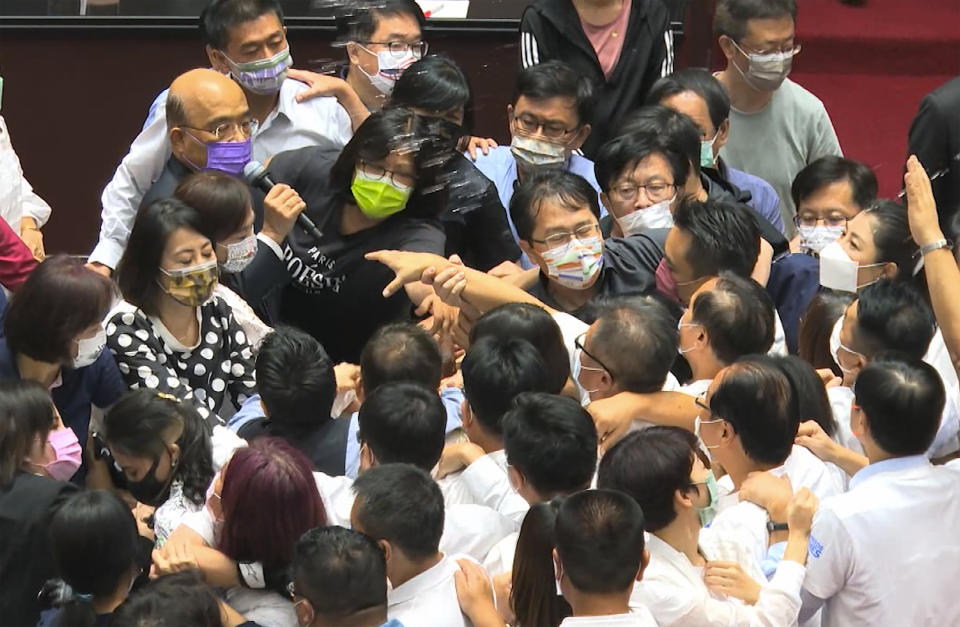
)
(379, 197)
(707, 513)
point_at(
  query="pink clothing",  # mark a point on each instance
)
(607, 40)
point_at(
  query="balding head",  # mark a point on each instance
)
(198, 102)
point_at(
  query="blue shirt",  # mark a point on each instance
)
(764, 198)
(451, 397)
(500, 167)
(98, 384)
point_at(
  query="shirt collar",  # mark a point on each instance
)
(431, 578)
(894, 464)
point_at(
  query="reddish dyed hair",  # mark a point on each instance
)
(269, 500)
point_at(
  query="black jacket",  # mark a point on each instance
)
(935, 139)
(550, 29)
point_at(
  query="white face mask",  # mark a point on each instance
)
(839, 272)
(836, 345)
(576, 264)
(537, 153)
(389, 69)
(89, 349)
(656, 216)
(239, 254)
(816, 238)
(765, 72)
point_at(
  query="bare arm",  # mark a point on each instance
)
(943, 275)
(615, 415)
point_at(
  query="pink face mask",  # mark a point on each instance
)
(666, 284)
(69, 455)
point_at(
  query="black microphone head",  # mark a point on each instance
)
(253, 171)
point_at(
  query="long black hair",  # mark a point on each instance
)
(26, 413)
(534, 585)
(434, 84)
(94, 540)
(137, 422)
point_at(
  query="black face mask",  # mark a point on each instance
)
(150, 490)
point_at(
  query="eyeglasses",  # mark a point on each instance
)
(581, 233)
(400, 48)
(246, 128)
(831, 220)
(578, 343)
(380, 173)
(531, 126)
(655, 192)
(790, 49)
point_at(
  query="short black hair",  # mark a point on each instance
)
(697, 81)
(400, 351)
(552, 441)
(731, 16)
(724, 236)
(600, 540)
(738, 316)
(832, 169)
(434, 83)
(651, 465)
(533, 324)
(757, 400)
(893, 316)
(358, 21)
(402, 504)
(672, 128)
(296, 380)
(556, 79)
(903, 399)
(892, 238)
(223, 202)
(809, 394)
(140, 264)
(636, 337)
(220, 16)
(60, 299)
(566, 189)
(622, 154)
(340, 571)
(496, 370)
(26, 415)
(403, 423)
(171, 601)
(398, 130)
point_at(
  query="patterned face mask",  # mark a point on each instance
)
(191, 286)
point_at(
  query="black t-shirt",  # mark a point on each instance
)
(629, 268)
(334, 293)
(475, 221)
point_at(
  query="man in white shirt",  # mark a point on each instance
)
(886, 552)
(401, 507)
(685, 582)
(887, 316)
(20, 206)
(776, 126)
(494, 372)
(339, 578)
(599, 555)
(255, 53)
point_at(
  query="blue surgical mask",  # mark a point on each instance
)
(708, 512)
(706, 151)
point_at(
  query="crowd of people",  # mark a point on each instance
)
(666, 359)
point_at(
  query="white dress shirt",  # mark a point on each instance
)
(887, 552)
(454, 488)
(639, 617)
(499, 559)
(673, 590)
(430, 598)
(290, 126)
(17, 198)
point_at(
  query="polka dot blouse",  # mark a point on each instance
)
(149, 356)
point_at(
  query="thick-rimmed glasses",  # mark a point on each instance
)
(581, 233)
(655, 192)
(380, 173)
(578, 342)
(400, 48)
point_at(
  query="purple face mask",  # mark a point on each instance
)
(229, 157)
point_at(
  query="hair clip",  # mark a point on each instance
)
(168, 397)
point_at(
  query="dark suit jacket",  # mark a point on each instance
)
(935, 139)
(26, 507)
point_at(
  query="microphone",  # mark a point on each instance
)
(257, 176)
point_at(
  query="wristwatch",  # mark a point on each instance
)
(937, 245)
(773, 527)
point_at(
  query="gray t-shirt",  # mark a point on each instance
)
(778, 141)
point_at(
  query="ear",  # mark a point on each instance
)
(727, 436)
(723, 135)
(644, 562)
(889, 270)
(359, 389)
(466, 414)
(216, 60)
(557, 565)
(515, 478)
(727, 47)
(580, 137)
(682, 499)
(367, 459)
(530, 252)
(353, 52)
(305, 613)
(387, 549)
(174, 454)
(263, 408)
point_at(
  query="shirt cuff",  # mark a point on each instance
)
(107, 252)
(272, 245)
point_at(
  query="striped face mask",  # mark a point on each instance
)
(576, 263)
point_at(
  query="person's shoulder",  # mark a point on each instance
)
(313, 159)
(801, 99)
(947, 94)
(584, 167)
(495, 160)
(258, 427)
(125, 314)
(291, 87)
